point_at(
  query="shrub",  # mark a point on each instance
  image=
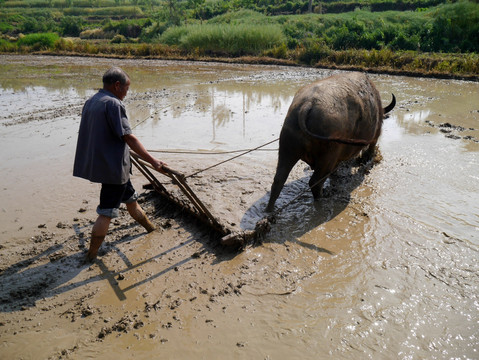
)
(127, 28)
(405, 42)
(173, 35)
(96, 34)
(70, 26)
(5, 27)
(153, 31)
(229, 39)
(240, 17)
(279, 52)
(455, 28)
(86, 47)
(41, 41)
(118, 39)
(312, 51)
(7, 46)
(63, 45)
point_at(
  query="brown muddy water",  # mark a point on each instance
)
(385, 266)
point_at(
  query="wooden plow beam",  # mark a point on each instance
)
(196, 206)
(199, 210)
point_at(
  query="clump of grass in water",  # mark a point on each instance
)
(234, 40)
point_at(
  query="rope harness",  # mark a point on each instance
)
(232, 158)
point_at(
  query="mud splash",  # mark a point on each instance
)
(384, 266)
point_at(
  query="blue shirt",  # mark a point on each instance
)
(102, 155)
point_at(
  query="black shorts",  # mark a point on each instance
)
(112, 195)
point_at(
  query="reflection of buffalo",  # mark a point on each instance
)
(329, 121)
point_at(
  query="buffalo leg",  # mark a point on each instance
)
(324, 166)
(316, 183)
(367, 154)
(282, 172)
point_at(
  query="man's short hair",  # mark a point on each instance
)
(114, 74)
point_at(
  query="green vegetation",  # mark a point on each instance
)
(41, 41)
(226, 39)
(440, 37)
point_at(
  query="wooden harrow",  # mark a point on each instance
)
(195, 206)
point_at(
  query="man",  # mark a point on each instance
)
(102, 155)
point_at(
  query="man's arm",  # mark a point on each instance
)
(138, 148)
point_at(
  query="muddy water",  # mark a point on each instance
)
(385, 266)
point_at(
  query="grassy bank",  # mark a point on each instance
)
(457, 66)
(440, 40)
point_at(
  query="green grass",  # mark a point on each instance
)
(234, 40)
(38, 41)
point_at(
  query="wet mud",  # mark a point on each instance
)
(384, 266)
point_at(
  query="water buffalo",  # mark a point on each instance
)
(329, 121)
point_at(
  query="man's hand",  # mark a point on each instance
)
(158, 165)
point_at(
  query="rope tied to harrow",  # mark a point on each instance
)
(231, 158)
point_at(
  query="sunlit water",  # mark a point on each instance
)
(389, 273)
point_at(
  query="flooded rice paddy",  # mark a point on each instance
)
(385, 266)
